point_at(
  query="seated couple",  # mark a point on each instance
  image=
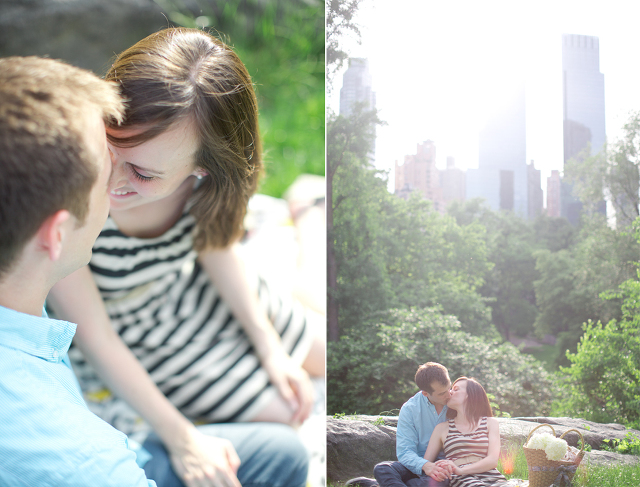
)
(456, 419)
(55, 171)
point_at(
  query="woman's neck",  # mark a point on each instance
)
(155, 218)
(464, 424)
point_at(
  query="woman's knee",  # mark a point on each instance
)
(279, 459)
(315, 362)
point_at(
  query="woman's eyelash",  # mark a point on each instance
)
(139, 176)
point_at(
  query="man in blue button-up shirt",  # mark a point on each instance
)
(54, 171)
(416, 422)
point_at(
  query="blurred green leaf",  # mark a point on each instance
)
(282, 46)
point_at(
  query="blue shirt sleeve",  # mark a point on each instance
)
(407, 441)
(49, 437)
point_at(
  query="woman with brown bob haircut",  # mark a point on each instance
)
(192, 331)
(470, 439)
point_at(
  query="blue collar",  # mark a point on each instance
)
(432, 406)
(39, 336)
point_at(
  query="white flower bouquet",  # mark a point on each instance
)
(555, 448)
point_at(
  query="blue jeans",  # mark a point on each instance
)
(271, 455)
(394, 474)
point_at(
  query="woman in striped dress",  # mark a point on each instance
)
(470, 438)
(167, 316)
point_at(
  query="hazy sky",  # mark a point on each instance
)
(435, 64)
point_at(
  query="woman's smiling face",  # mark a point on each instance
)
(154, 169)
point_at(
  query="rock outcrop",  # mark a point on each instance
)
(356, 443)
(85, 33)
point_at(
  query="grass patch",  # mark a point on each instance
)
(586, 476)
(512, 462)
(614, 476)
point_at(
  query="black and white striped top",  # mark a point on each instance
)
(165, 308)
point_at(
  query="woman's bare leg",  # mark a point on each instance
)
(277, 410)
(315, 362)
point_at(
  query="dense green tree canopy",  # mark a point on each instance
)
(568, 291)
(371, 371)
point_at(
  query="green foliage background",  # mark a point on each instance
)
(414, 285)
(372, 370)
(603, 379)
(282, 46)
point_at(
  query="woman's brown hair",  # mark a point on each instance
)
(178, 74)
(477, 404)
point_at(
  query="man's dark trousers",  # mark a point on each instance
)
(394, 474)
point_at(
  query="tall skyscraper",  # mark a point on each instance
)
(453, 182)
(583, 89)
(419, 173)
(356, 86)
(534, 191)
(583, 106)
(553, 194)
(501, 178)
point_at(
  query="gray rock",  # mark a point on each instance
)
(354, 447)
(356, 443)
(85, 33)
(606, 458)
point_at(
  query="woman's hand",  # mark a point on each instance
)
(204, 461)
(292, 382)
(437, 472)
(449, 466)
(226, 270)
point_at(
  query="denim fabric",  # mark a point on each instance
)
(394, 474)
(270, 454)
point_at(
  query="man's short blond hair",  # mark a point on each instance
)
(45, 164)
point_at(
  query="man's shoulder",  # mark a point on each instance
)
(412, 405)
(47, 433)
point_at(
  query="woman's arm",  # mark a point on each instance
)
(436, 441)
(436, 471)
(194, 456)
(491, 460)
(226, 270)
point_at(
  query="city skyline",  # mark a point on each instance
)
(436, 73)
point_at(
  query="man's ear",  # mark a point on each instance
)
(53, 232)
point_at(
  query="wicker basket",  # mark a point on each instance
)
(543, 472)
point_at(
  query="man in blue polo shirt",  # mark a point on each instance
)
(54, 172)
(416, 422)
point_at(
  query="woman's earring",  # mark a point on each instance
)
(198, 176)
